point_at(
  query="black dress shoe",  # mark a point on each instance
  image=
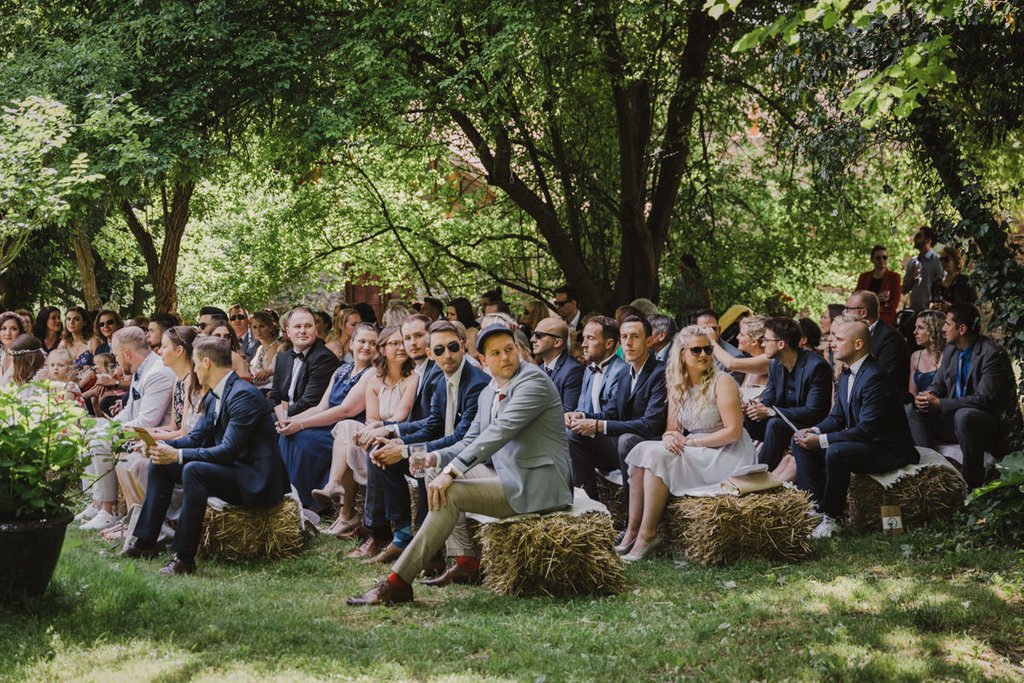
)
(140, 552)
(383, 594)
(178, 567)
(455, 574)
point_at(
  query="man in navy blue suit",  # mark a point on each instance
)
(601, 377)
(799, 386)
(866, 432)
(887, 345)
(232, 454)
(602, 440)
(551, 351)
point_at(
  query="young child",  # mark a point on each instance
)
(102, 390)
(60, 370)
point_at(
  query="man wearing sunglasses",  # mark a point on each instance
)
(923, 270)
(238, 318)
(566, 305)
(550, 349)
(209, 317)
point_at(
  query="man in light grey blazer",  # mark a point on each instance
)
(518, 427)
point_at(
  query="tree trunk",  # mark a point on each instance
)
(86, 267)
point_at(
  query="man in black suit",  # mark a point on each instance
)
(232, 453)
(551, 350)
(972, 400)
(866, 432)
(664, 332)
(888, 346)
(603, 440)
(301, 374)
(799, 386)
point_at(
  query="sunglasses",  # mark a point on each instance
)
(107, 323)
(879, 258)
(698, 350)
(203, 326)
(559, 304)
(454, 347)
(240, 316)
(538, 335)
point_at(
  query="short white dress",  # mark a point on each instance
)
(697, 467)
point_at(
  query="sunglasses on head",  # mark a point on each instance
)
(452, 346)
(239, 316)
(698, 350)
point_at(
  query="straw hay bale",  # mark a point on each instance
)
(555, 555)
(609, 494)
(240, 533)
(774, 525)
(931, 493)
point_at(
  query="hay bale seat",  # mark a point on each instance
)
(609, 490)
(556, 555)
(241, 533)
(718, 530)
(927, 491)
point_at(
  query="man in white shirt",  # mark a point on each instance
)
(566, 303)
(923, 270)
(148, 405)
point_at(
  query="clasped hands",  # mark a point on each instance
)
(579, 423)
(926, 402)
(807, 439)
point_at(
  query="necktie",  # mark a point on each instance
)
(548, 370)
(297, 360)
(961, 375)
(449, 412)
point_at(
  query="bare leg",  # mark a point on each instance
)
(655, 498)
(636, 504)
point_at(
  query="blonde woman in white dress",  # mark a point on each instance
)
(703, 444)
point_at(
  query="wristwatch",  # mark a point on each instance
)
(450, 470)
(405, 452)
(771, 412)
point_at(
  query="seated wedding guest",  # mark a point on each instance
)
(703, 444)
(323, 324)
(707, 318)
(105, 388)
(432, 308)
(925, 362)
(301, 374)
(340, 340)
(810, 335)
(602, 440)
(550, 350)
(395, 313)
(344, 400)
(645, 306)
(953, 287)
(972, 400)
(27, 359)
(799, 385)
(148, 405)
(26, 318)
(601, 378)
(141, 322)
(887, 345)
(208, 315)
(107, 323)
(78, 338)
(519, 427)
(11, 327)
(158, 324)
(239, 364)
(664, 332)
(461, 310)
(366, 313)
(832, 311)
(866, 432)
(390, 393)
(48, 327)
(453, 407)
(231, 454)
(625, 311)
(186, 397)
(60, 369)
(265, 331)
(533, 313)
(240, 323)
(307, 441)
(490, 299)
(566, 305)
(754, 365)
(884, 283)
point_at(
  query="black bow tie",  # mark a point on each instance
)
(847, 371)
(298, 354)
(594, 367)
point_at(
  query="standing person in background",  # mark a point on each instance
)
(48, 327)
(432, 308)
(923, 271)
(461, 310)
(533, 313)
(239, 319)
(566, 305)
(883, 282)
(953, 288)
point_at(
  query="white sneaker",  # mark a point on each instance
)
(101, 521)
(87, 514)
(825, 528)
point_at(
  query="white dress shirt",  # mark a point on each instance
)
(854, 369)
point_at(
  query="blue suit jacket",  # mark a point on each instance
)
(873, 415)
(568, 379)
(813, 377)
(608, 389)
(430, 430)
(645, 410)
(241, 437)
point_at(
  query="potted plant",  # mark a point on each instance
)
(42, 442)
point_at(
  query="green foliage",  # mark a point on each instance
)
(997, 508)
(41, 448)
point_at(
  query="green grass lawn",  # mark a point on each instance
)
(869, 608)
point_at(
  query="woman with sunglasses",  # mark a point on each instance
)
(883, 282)
(703, 444)
(316, 461)
(107, 323)
(238, 363)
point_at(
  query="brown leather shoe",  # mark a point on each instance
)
(359, 531)
(454, 574)
(178, 567)
(389, 554)
(369, 548)
(383, 594)
(136, 552)
(434, 568)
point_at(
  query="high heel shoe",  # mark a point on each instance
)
(646, 552)
(329, 494)
(624, 548)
